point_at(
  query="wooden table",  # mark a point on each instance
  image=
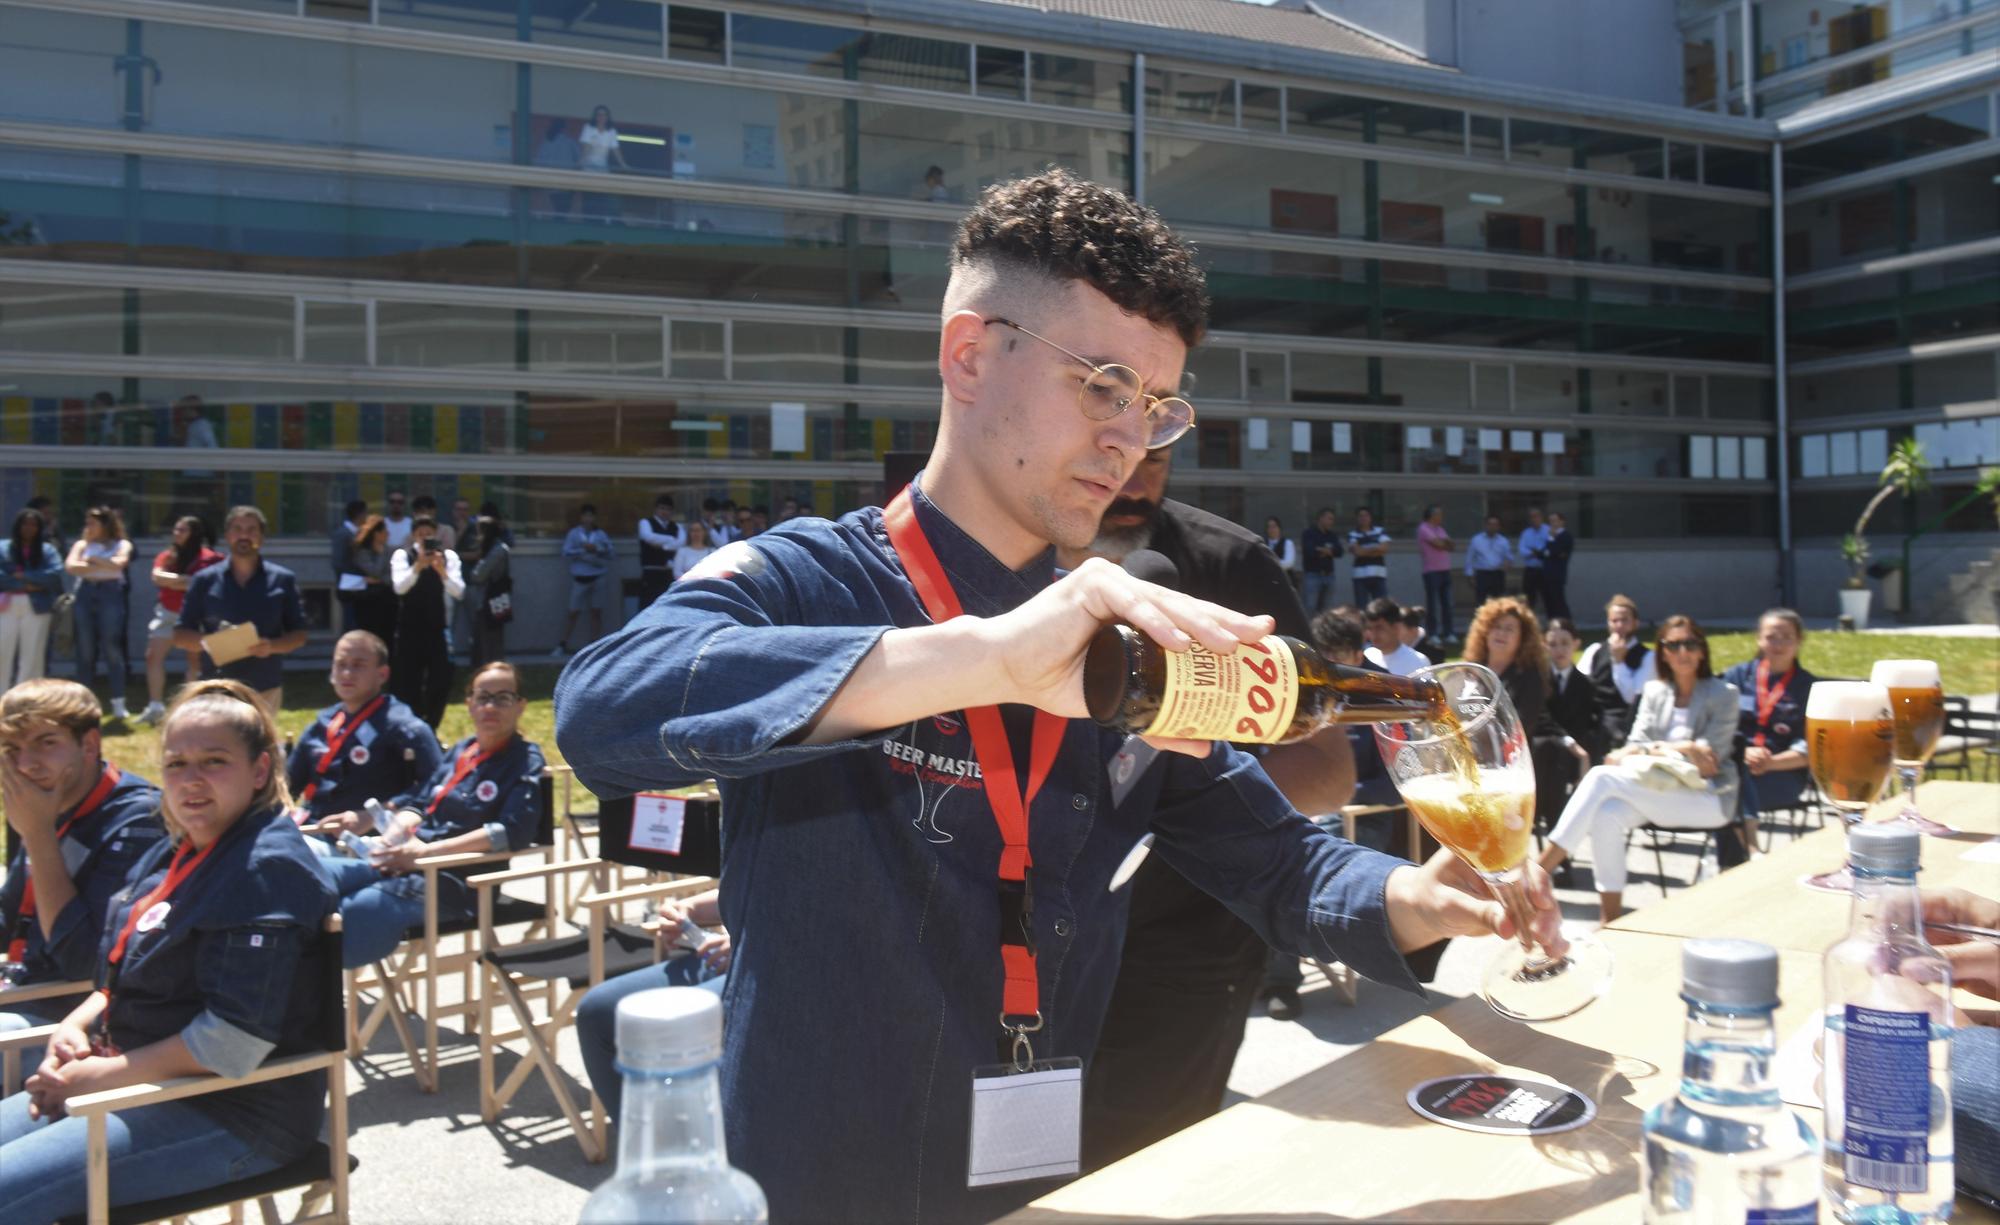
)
(1763, 900)
(1341, 1143)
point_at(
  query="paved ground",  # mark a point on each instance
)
(430, 1158)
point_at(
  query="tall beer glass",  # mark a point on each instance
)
(1916, 702)
(1850, 743)
(1471, 780)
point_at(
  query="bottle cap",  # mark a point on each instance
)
(1735, 973)
(669, 1029)
(1889, 847)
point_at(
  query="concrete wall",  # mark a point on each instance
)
(1619, 48)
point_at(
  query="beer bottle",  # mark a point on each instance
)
(1270, 691)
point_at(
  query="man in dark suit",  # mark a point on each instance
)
(1555, 565)
(1569, 738)
(1618, 668)
(1190, 969)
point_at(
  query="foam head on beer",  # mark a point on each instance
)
(1904, 674)
(1848, 702)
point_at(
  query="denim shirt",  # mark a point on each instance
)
(503, 796)
(270, 601)
(393, 752)
(100, 852)
(237, 970)
(43, 571)
(859, 877)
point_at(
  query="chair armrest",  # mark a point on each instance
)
(43, 991)
(672, 888)
(464, 859)
(491, 880)
(197, 1086)
(14, 1039)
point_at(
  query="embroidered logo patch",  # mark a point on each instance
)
(486, 791)
(358, 754)
(154, 916)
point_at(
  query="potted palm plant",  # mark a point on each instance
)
(1906, 473)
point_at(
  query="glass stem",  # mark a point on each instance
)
(1911, 774)
(1513, 894)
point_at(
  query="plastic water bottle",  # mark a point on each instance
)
(672, 1165)
(1725, 1148)
(1888, 1044)
(395, 828)
(356, 845)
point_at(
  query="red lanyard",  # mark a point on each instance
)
(1767, 697)
(469, 759)
(17, 948)
(1021, 992)
(180, 869)
(338, 733)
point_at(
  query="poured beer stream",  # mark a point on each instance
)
(1270, 691)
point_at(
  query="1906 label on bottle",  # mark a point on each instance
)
(1248, 697)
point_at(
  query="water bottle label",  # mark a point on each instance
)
(1888, 1097)
(1804, 1214)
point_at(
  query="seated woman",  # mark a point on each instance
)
(1771, 732)
(1506, 638)
(485, 796)
(1686, 715)
(701, 965)
(212, 960)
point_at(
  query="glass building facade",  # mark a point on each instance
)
(361, 242)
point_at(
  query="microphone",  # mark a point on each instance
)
(1153, 566)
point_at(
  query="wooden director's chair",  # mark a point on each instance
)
(66, 995)
(543, 981)
(320, 1174)
(403, 987)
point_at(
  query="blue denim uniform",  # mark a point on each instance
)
(270, 601)
(390, 754)
(859, 878)
(100, 852)
(37, 578)
(237, 970)
(1784, 729)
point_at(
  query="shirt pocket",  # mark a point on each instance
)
(249, 976)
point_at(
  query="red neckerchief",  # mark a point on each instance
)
(469, 759)
(1021, 991)
(17, 948)
(338, 733)
(1768, 696)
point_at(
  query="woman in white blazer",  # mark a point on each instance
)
(1677, 769)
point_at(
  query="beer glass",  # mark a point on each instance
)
(1916, 703)
(1850, 742)
(1470, 779)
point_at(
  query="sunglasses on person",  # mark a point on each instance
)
(1681, 644)
(1110, 388)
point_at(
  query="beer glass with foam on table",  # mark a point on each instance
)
(1916, 703)
(1468, 775)
(1850, 740)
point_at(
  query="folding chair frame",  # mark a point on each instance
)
(11, 1072)
(559, 1001)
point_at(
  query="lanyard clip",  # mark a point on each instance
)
(1022, 1051)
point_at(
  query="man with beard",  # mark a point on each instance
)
(1191, 969)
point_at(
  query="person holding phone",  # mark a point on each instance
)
(426, 577)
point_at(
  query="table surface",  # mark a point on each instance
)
(1341, 1143)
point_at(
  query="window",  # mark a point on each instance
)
(630, 27)
(1946, 127)
(777, 45)
(1190, 96)
(696, 35)
(1002, 72)
(1069, 80)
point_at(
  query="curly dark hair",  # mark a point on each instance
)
(1075, 230)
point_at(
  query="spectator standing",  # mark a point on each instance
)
(1566, 744)
(1618, 668)
(340, 552)
(193, 429)
(173, 568)
(426, 577)
(659, 539)
(599, 149)
(587, 549)
(690, 555)
(1415, 637)
(31, 577)
(245, 589)
(746, 522)
(1320, 545)
(1487, 556)
(493, 578)
(374, 599)
(721, 521)
(396, 518)
(368, 745)
(425, 506)
(1771, 730)
(1534, 552)
(1383, 623)
(1555, 569)
(1434, 546)
(1369, 545)
(101, 560)
(1282, 545)
(1505, 636)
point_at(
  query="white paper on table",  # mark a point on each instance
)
(788, 427)
(1553, 442)
(1986, 852)
(657, 822)
(1797, 1067)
